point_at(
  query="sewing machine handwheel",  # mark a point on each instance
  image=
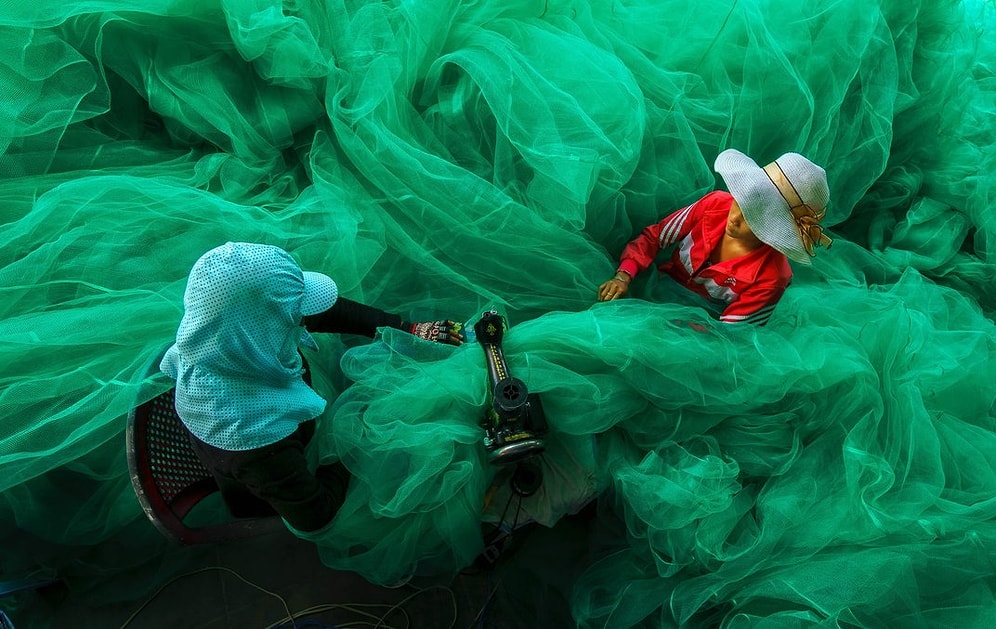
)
(510, 395)
(516, 451)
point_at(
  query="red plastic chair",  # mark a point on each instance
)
(169, 480)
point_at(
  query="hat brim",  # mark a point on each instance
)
(320, 293)
(756, 195)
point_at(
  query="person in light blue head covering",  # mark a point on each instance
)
(240, 388)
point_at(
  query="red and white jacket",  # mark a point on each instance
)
(747, 287)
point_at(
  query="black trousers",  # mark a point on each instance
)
(276, 479)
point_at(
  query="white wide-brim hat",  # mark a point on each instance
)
(783, 203)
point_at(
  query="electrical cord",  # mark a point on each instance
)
(478, 620)
(199, 571)
(290, 619)
(358, 609)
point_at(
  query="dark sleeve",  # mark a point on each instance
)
(350, 317)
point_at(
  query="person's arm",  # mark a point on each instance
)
(755, 305)
(350, 317)
(642, 250)
(640, 253)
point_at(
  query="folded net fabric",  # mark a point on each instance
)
(438, 157)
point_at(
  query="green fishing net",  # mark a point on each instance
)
(834, 468)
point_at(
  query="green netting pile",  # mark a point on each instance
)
(835, 467)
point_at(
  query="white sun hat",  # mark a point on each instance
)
(783, 203)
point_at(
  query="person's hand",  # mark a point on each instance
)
(614, 288)
(445, 331)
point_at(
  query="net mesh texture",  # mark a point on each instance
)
(834, 467)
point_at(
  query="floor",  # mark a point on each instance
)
(263, 581)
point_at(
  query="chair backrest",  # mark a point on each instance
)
(168, 478)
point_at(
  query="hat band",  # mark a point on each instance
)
(807, 219)
(785, 187)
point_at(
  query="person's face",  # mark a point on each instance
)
(737, 227)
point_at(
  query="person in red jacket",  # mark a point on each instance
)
(733, 247)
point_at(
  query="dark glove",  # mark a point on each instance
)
(438, 331)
